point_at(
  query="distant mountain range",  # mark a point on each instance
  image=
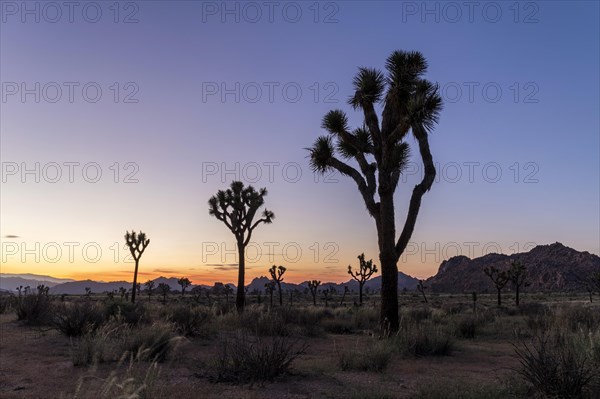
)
(552, 267)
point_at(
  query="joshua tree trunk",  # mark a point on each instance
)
(517, 295)
(387, 258)
(280, 294)
(135, 273)
(239, 300)
(499, 296)
(314, 299)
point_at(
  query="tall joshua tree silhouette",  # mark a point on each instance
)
(237, 207)
(277, 276)
(137, 244)
(363, 274)
(499, 279)
(410, 104)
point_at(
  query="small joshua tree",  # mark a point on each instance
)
(363, 274)
(20, 290)
(137, 244)
(184, 282)
(88, 293)
(228, 291)
(237, 207)
(327, 293)
(122, 292)
(421, 288)
(517, 275)
(43, 290)
(499, 279)
(164, 289)
(313, 286)
(149, 287)
(346, 290)
(270, 288)
(277, 276)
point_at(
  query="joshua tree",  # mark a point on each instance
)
(20, 290)
(122, 291)
(149, 287)
(196, 293)
(228, 290)
(517, 275)
(184, 282)
(327, 296)
(313, 286)
(410, 104)
(277, 276)
(164, 289)
(499, 278)
(88, 292)
(421, 288)
(363, 274)
(137, 244)
(270, 288)
(236, 207)
(344, 295)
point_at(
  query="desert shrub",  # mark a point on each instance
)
(126, 312)
(97, 346)
(5, 303)
(375, 357)
(466, 327)
(34, 309)
(423, 340)
(338, 326)
(555, 365)
(75, 319)
(446, 388)
(151, 343)
(418, 315)
(191, 321)
(575, 318)
(265, 324)
(124, 381)
(248, 359)
(534, 309)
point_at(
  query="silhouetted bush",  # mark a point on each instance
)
(151, 343)
(423, 340)
(127, 312)
(190, 321)
(34, 309)
(75, 319)
(555, 366)
(375, 357)
(247, 359)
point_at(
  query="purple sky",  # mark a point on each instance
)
(201, 87)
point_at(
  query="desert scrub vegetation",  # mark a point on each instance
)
(77, 318)
(445, 388)
(423, 339)
(190, 320)
(127, 312)
(557, 364)
(111, 341)
(375, 356)
(34, 309)
(246, 358)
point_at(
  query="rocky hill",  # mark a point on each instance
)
(553, 267)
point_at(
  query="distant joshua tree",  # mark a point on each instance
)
(421, 288)
(313, 286)
(43, 290)
(228, 291)
(184, 282)
(137, 244)
(499, 279)
(20, 290)
(277, 276)
(327, 294)
(88, 292)
(164, 289)
(410, 105)
(270, 288)
(236, 207)
(346, 290)
(517, 275)
(149, 287)
(122, 292)
(363, 274)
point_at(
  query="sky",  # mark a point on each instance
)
(130, 115)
